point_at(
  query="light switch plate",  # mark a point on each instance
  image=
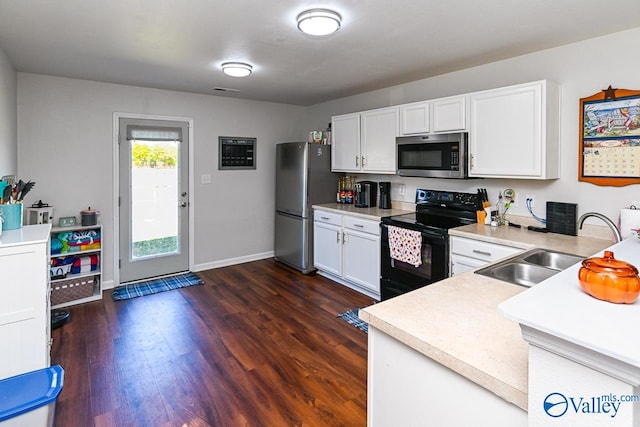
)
(67, 221)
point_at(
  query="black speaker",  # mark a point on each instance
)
(562, 218)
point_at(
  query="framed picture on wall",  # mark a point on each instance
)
(609, 148)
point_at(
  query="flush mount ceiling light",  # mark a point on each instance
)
(319, 22)
(236, 69)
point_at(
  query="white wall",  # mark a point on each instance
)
(582, 69)
(66, 145)
(8, 120)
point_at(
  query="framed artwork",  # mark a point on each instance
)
(609, 148)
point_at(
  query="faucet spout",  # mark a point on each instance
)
(612, 226)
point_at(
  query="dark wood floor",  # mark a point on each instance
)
(259, 345)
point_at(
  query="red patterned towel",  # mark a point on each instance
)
(405, 245)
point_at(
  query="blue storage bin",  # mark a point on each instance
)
(29, 399)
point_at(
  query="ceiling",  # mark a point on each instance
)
(180, 44)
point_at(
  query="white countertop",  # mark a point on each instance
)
(374, 214)
(559, 307)
(25, 235)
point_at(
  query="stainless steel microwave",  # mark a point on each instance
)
(433, 156)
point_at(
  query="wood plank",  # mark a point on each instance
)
(258, 344)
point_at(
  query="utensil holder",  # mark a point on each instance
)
(12, 216)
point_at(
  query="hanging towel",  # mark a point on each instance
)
(405, 245)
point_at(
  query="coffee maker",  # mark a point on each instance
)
(385, 195)
(366, 194)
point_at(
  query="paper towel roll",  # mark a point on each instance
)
(629, 218)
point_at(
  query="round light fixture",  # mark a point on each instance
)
(236, 69)
(319, 22)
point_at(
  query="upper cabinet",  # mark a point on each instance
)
(415, 118)
(366, 141)
(514, 132)
(449, 114)
(345, 144)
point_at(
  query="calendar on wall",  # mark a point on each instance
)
(610, 138)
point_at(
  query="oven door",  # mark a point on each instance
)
(398, 277)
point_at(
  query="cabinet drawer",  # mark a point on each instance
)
(327, 217)
(364, 225)
(481, 250)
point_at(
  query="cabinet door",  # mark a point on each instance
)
(461, 264)
(379, 131)
(345, 145)
(449, 114)
(414, 118)
(362, 259)
(24, 318)
(505, 138)
(327, 248)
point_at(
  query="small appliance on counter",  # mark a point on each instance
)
(39, 213)
(366, 194)
(385, 195)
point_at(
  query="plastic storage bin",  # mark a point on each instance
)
(29, 399)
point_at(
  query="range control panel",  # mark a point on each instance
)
(465, 201)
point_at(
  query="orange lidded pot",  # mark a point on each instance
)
(609, 279)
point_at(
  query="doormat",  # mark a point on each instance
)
(351, 317)
(155, 286)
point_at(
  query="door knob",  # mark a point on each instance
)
(183, 204)
(184, 194)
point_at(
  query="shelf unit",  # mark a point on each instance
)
(82, 279)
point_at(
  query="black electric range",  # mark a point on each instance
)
(436, 212)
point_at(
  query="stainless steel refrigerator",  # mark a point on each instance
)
(303, 178)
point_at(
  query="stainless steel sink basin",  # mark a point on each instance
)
(554, 260)
(531, 267)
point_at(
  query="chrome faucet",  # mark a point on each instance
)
(610, 223)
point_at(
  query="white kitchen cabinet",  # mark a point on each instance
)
(347, 250)
(450, 114)
(361, 252)
(415, 118)
(25, 321)
(365, 142)
(469, 254)
(345, 144)
(327, 242)
(514, 132)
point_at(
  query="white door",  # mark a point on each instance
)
(154, 207)
(361, 263)
(327, 248)
(379, 131)
(345, 143)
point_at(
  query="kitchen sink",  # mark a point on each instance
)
(531, 267)
(553, 260)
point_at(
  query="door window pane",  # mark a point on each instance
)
(154, 198)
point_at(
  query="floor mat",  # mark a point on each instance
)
(351, 317)
(155, 286)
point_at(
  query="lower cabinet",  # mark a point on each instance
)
(469, 254)
(25, 328)
(347, 249)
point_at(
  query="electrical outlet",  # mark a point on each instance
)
(205, 178)
(530, 199)
(403, 189)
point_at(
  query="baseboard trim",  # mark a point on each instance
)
(232, 261)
